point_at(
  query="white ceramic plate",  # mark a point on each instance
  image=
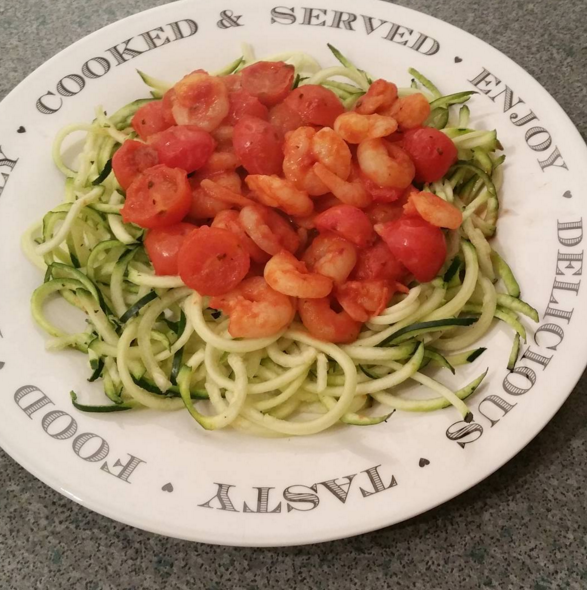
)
(163, 473)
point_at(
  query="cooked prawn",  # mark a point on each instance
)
(325, 323)
(304, 147)
(255, 309)
(331, 256)
(354, 128)
(385, 163)
(288, 275)
(381, 94)
(280, 193)
(220, 161)
(271, 232)
(204, 206)
(410, 111)
(223, 136)
(229, 220)
(299, 159)
(332, 151)
(434, 210)
(351, 192)
(221, 193)
(201, 100)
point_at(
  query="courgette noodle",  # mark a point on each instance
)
(154, 343)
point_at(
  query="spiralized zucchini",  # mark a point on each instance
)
(154, 343)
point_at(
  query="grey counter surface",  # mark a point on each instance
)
(523, 527)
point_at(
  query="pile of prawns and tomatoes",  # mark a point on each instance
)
(275, 200)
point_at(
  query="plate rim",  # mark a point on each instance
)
(13, 451)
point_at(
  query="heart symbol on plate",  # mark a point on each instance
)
(167, 488)
(567, 195)
(458, 60)
(21, 129)
(423, 462)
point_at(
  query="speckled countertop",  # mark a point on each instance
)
(524, 527)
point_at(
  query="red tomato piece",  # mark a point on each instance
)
(363, 299)
(326, 324)
(162, 245)
(230, 220)
(233, 82)
(432, 152)
(243, 104)
(159, 197)
(132, 158)
(201, 100)
(419, 246)
(258, 146)
(213, 261)
(150, 119)
(269, 81)
(378, 263)
(315, 104)
(185, 146)
(284, 119)
(348, 222)
(167, 105)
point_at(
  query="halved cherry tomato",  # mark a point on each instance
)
(213, 261)
(363, 299)
(417, 244)
(150, 119)
(378, 263)
(258, 146)
(242, 104)
(131, 159)
(201, 100)
(432, 152)
(159, 197)
(315, 104)
(233, 82)
(167, 104)
(284, 119)
(326, 324)
(162, 245)
(269, 81)
(230, 220)
(348, 222)
(435, 210)
(184, 146)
